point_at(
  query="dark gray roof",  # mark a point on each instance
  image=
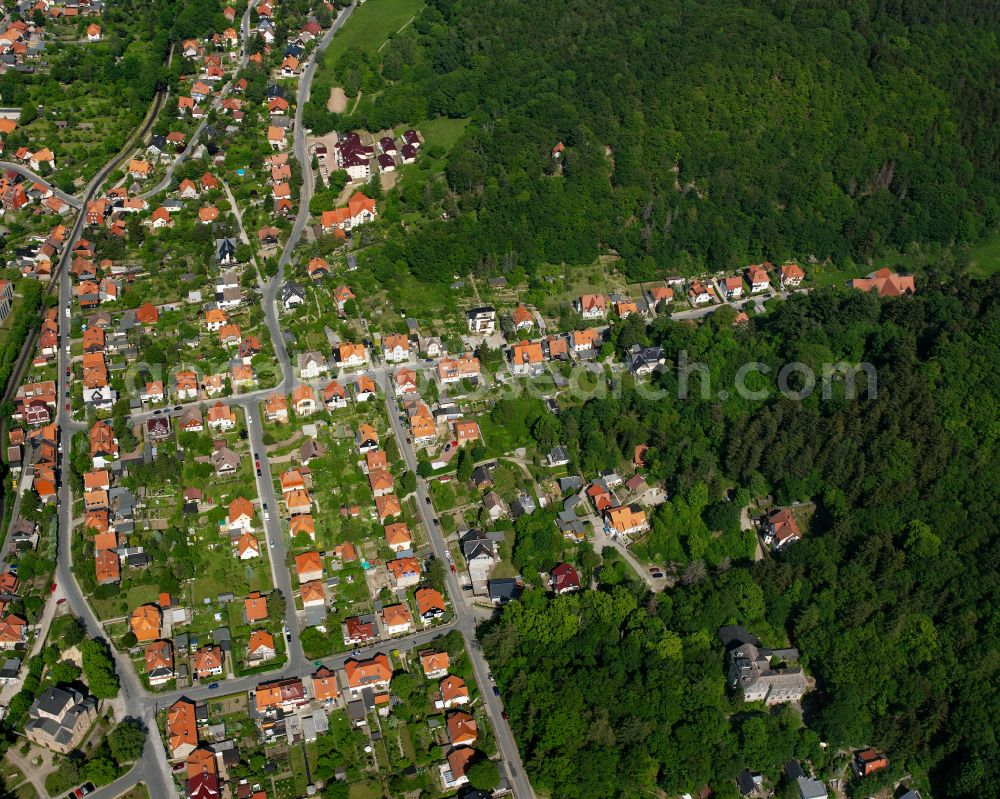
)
(503, 590)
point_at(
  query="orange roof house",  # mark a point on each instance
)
(145, 622)
(159, 661)
(107, 566)
(312, 593)
(453, 691)
(398, 536)
(526, 354)
(396, 618)
(207, 661)
(466, 431)
(324, 684)
(885, 283)
(462, 729)
(380, 481)
(303, 523)
(430, 603)
(459, 760)
(434, 664)
(406, 571)
(791, 275)
(364, 673)
(309, 566)
(182, 728)
(261, 645)
(387, 506)
(522, 318)
(146, 314)
(255, 608)
(627, 519)
(247, 546)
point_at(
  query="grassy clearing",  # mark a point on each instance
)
(441, 132)
(369, 26)
(984, 260)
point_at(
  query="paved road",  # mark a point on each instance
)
(465, 618)
(62, 195)
(757, 299)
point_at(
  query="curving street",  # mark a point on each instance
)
(21, 169)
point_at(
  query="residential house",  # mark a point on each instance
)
(885, 283)
(350, 355)
(260, 648)
(324, 685)
(750, 669)
(374, 673)
(564, 579)
(405, 571)
(304, 400)
(221, 418)
(482, 321)
(659, 295)
(462, 729)
(334, 396)
(159, 662)
(781, 529)
(398, 537)
(434, 664)
(526, 358)
(396, 619)
(182, 729)
(360, 210)
(207, 661)
(699, 293)
(430, 604)
(396, 348)
(452, 692)
(591, 306)
(454, 370)
(791, 275)
(309, 566)
(59, 718)
(312, 364)
(758, 277)
(626, 520)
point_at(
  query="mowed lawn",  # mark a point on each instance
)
(441, 132)
(369, 26)
(984, 260)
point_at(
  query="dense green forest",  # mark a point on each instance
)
(891, 597)
(698, 133)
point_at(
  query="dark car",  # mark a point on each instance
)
(427, 500)
(212, 686)
(506, 716)
(178, 407)
(452, 568)
(496, 691)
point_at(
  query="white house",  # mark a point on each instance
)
(312, 365)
